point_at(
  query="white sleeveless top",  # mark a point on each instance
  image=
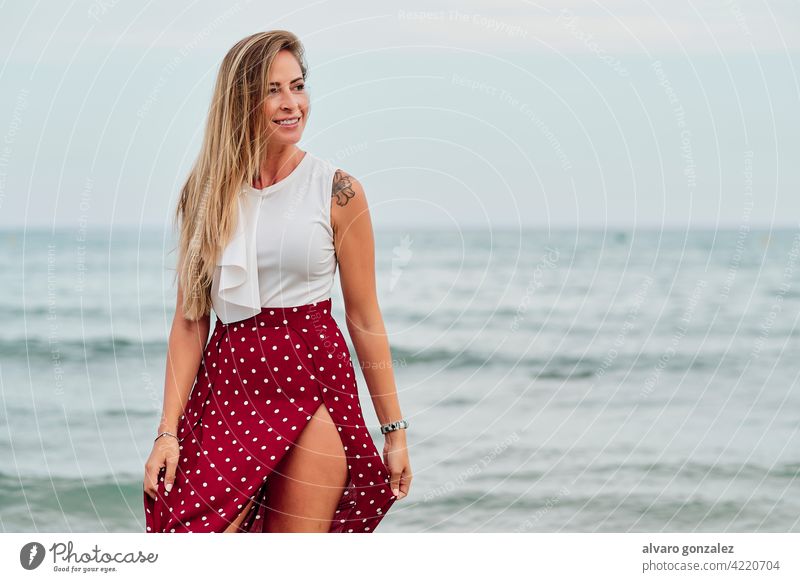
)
(281, 253)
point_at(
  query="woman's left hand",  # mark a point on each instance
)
(395, 457)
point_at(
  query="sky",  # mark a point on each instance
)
(501, 114)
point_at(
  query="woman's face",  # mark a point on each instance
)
(286, 99)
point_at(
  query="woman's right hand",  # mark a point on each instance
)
(165, 453)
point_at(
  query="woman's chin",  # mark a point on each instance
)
(285, 137)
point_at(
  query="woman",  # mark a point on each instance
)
(270, 438)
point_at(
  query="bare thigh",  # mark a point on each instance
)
(306, 486)
(308, 483)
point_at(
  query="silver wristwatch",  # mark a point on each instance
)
(397, 424)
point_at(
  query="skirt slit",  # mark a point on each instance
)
(255, 520)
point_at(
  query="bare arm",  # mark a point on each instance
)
(187, 339)
(355, 251)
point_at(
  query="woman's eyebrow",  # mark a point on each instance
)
(290, 82)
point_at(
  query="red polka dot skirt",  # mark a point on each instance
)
(259, 383)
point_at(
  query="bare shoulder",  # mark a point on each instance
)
(348, 199)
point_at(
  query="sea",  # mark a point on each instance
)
(574, 380)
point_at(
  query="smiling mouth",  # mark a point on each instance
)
(289, 122)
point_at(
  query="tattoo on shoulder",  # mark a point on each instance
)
(342, 187)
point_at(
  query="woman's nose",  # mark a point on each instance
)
(288, 101)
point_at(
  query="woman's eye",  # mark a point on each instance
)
(300, 87)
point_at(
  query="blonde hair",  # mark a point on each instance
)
(233, 146)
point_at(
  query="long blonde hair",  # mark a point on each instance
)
(232, 149)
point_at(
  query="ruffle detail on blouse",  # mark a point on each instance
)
(235, 294)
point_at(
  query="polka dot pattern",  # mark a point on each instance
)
(259, 383)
